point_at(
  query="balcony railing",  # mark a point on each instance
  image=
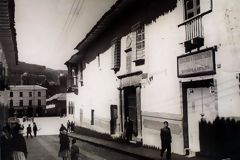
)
(194, 34)
(194, 29)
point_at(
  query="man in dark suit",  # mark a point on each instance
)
(29, 131)
(128, 129)
(166, 139)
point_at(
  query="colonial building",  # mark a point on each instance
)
(23, 98)
(8, 51)
(156, 61)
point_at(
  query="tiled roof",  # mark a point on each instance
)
(59, 97)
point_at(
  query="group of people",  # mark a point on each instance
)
(29, 130)
(66, 152)
(13, 144)
(70, 126)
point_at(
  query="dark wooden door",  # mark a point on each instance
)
(131, 107)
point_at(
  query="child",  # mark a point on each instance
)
(74, 150)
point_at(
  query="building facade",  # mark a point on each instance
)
(8, 53)
(156, 61)
(56, 105)
(23, 97)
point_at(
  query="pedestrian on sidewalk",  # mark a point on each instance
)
(72, 126)
(64, 145)
(35, 129)
(29, 130)
(128, 129)
(166, 139)
(18, 145)
(74, 150)
(62, 128)
(68, 126)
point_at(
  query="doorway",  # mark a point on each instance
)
(201, 104)
(130, 107)
(198, 103)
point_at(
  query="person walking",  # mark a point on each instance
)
(68, 126)
(29, 130)
(64, 145)
(18, 145)
(72, 126)
(62, 128)
(35, 129)
(74, 150)
(128, 129)
(166, 139)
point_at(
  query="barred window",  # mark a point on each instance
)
(192, 8)
(116, 54)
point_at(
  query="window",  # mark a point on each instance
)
(75, 75)
(116, 54)
(192, 8)
(39, 102)
(30, 94)
(92, 116)
(21, 103)
(11, 94)
(81, 73)
(39, 94)
(11, 103)
(20, 94)
(139, 36)
(70, 108)
(30, 103)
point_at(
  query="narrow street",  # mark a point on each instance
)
(46, 148)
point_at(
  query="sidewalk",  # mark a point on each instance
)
(135, 151)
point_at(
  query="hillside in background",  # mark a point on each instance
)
(35, 70)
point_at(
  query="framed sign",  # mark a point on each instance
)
(198, 63)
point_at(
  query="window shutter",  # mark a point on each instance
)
(116, 54)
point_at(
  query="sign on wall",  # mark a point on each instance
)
(199, 63)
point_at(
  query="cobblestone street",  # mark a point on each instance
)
(46, 148)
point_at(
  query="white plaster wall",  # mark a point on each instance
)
(162, 94)
(222, 28)
(99, 91)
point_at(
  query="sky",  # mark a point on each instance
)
(49, 30)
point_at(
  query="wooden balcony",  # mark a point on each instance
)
(194, 34)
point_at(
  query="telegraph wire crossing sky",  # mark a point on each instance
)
(49, 30)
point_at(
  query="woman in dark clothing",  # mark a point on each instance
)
(5, 145)
(64, 145)
(74, 150)
(18, 145)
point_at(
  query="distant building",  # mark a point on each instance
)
(156, 61)
(8, 52)
(56, 105)
(27, 99)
